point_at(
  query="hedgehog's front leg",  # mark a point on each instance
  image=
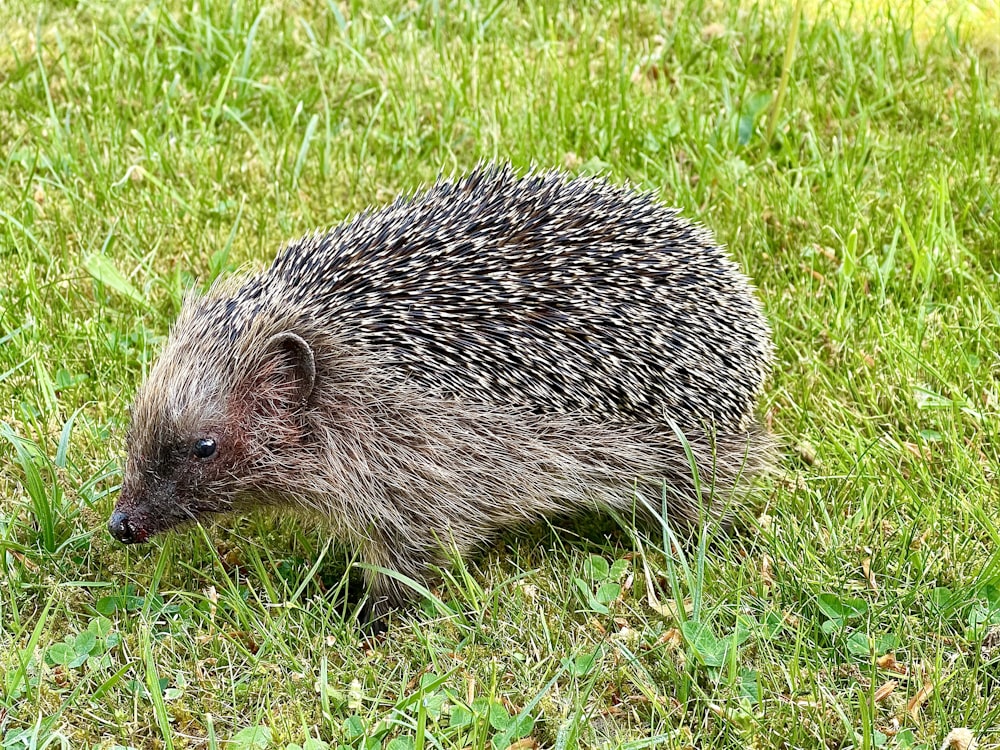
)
(386, 593)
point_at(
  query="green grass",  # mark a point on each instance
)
(148, 147)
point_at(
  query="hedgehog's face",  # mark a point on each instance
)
(182, 470)
(197, 447)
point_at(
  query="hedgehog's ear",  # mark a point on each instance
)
(295, 356)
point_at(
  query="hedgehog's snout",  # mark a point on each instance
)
(129, 522)
(121, 528)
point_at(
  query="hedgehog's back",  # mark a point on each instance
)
(559, 295)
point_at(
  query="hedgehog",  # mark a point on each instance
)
(494, 351)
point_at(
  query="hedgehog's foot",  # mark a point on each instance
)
(373, 617)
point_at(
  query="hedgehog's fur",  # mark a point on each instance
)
(493, 351)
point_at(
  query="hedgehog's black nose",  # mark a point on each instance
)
(121, 528)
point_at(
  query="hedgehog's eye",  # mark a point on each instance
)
(204, 447)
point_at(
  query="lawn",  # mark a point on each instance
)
(152, 145)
